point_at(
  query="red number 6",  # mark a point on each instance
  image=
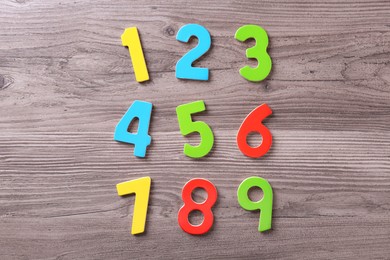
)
(204, 207)
(252, 123)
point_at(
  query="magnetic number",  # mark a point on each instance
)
(141, 188)
(130, 38)
(204, 207)
(141, 110)
(258, 52)
(187, 126)
(252, 123)
(264, 205)
(184, 69)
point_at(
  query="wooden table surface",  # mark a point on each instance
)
(66, 80)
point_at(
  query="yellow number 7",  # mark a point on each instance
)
(141, 188)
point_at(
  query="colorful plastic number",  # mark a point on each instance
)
(141, 188)
(141, 110)
(252, 123)
(264, 205)
(187, 126)
(204, 207)
(130, 38)
(258, 52)
(184, 69)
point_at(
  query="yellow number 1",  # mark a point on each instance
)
(130, 38)
(141, 188)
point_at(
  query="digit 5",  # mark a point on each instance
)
(252, 123)
(187, 126)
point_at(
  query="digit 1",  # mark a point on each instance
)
(130, 38)
(264, 205)
(141, 110)
(141, 188)
(252, 123)
(204, 207)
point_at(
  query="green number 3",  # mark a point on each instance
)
(258, 52)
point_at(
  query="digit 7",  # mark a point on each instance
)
(264, 205)
(141, 188)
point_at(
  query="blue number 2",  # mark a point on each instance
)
(141, 110)
(184, 69)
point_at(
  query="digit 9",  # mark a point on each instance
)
(264, 204)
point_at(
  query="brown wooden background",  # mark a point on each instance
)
(65, 81)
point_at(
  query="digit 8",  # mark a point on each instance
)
(204, 207)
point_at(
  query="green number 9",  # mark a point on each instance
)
(258, 52)
(264, 205)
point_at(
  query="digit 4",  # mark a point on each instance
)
(141, 110)
(141, 188)
(252, 123)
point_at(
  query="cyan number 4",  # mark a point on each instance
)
(141, 110)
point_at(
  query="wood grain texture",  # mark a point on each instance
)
(65, 81)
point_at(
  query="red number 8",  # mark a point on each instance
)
(204, 207)
(252, 123)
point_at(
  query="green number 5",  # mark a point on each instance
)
(258, 52)
(187, 126)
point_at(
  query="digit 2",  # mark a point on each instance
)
(184, 69)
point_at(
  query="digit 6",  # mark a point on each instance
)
(204, 207)
(252, 123)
